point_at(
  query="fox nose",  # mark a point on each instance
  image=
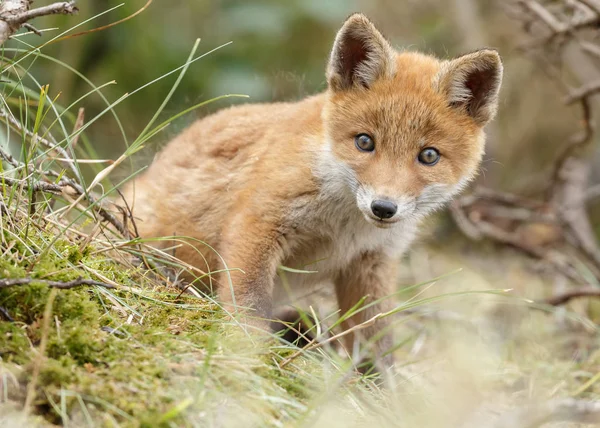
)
(383, 209)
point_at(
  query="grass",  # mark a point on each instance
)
(146, 354)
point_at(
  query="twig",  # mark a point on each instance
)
(577, 141)
(65, 181)
(556, 27)
(106, 216)
(582, 92)
(508, 198)
(9, 158)
(15, 13)
(6, 315)
(36, 186)
(33, 29)
(463, 223)
(63, 153)
(562, 298)
(58, 189)
(64, 7)
(545, 16)
(592, 4)
(127, 213)
(7, 282)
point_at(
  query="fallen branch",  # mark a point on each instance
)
(16, 13)
(8, 282)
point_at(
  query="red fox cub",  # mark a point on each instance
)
(337, 183)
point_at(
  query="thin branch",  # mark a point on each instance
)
(33, 29)
(592, 4)
(545, 16)
(9, 158)
(15, 13)
(58, 188)
(508, 198)
(63, 7)
(584, 91)
(463, 223)
(562, 298)
(577, 142)
(7, 282)
(63, 153)
(556, 27)
(35, 185)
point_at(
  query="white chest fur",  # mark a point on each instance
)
(332, 234)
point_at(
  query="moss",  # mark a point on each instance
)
(25, 303)
(14, 345)
(9, 269)
(58, 371)
(158, 349)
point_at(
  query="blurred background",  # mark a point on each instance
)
(279, 52)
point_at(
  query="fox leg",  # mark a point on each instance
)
(371, 275)
(252, 253)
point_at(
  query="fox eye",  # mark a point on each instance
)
(364, 143)
(429, 156)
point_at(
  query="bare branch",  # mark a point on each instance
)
(15, 13)
(463, 223)
(562, 298)
(63, 7)
(34, 185)
(508, 198)
(545, 16)
(582, 92)
(64, 181)
(592, 4)
(9, 158)
(576, 143)
(7, 282)
(49, 144)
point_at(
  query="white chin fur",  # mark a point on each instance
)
(381, 224)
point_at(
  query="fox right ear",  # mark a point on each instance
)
(472, 82)
(360, 55)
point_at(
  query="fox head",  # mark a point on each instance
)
(404, 131)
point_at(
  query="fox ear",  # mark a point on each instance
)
(472, 82)
(360, 55)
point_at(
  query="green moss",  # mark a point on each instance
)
(58, 371)
(14, 345)
(158, 349)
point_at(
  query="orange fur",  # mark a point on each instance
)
(284, 183)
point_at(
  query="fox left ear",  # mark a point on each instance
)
(360, 55)
(472, 82)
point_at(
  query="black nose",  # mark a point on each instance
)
(384, 209)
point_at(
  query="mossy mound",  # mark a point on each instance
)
(142, 354)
